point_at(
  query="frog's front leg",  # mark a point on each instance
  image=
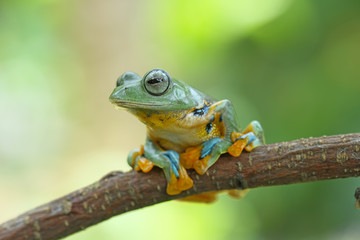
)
(250, 138)
(211, 151)
(176, 175)
(137, 160)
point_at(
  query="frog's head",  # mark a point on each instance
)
(156, 91)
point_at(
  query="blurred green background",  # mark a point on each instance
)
(292, 65)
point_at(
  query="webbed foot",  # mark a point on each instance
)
(237, 193)
(210, 197)
(207, 197)
(179, 179)
(203, 156)
(250, 138)
(190, 156)
(179, 184)
(138, 162)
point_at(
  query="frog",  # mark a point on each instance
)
(186, 129)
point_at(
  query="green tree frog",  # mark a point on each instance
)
(186, 129)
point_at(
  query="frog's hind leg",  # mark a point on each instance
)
(250, 138)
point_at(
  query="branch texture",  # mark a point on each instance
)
(296, 161)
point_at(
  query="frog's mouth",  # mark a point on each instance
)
(137, 105)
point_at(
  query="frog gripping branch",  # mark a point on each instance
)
(186, 129)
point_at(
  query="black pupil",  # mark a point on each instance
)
(155, 80)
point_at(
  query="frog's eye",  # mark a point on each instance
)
(157, 82)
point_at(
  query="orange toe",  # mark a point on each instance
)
(172, 187)
(208, 197)
(238, 193)
(177, 185)
(201, 166)
(191, 154)
(135, 156)
(145, 165)
(237, 147)
(184, 181)
(249, 147)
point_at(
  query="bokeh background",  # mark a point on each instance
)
(292, 65)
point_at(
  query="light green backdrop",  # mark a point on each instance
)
(292, 65)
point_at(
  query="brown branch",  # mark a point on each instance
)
(274, 164)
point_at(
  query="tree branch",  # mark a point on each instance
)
(296, 161)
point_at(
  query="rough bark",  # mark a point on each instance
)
(296, 161)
